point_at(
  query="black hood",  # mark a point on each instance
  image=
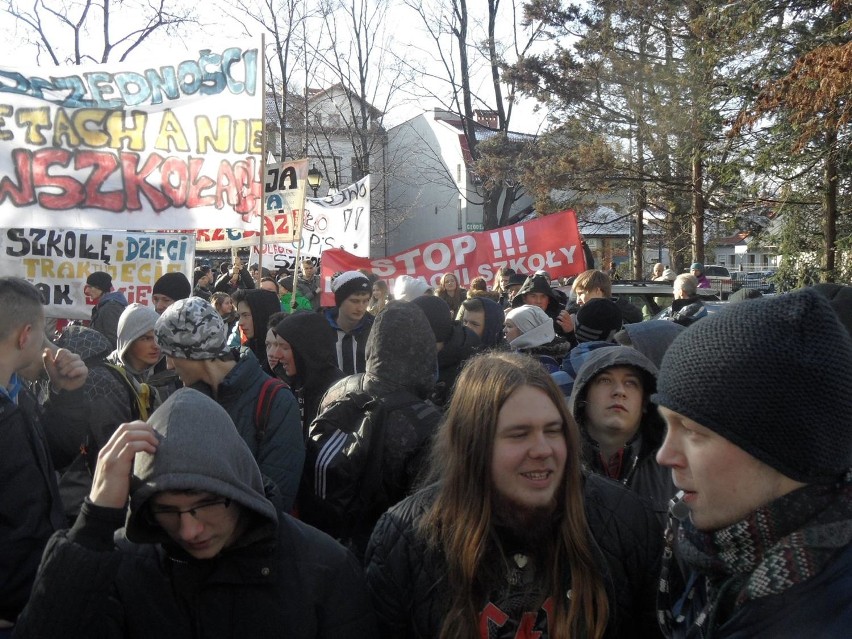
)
(539, 284)
(262, 304)
(598, 360)
(401, 351)
(313, 341)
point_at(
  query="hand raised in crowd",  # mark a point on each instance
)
(565, 322)
(66, 370)
(111, 483)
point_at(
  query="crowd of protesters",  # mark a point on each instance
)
(522, 458)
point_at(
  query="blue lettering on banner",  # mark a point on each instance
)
(234, 70)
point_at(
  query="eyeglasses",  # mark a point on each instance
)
(206, 513)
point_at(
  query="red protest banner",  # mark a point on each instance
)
(551, 243)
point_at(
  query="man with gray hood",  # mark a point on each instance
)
(203, 552)
(621, 430)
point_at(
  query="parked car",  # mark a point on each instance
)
(721, 281)
(649, 297)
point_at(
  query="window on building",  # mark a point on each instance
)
(460, 215)
(751, 259)
(458, 172)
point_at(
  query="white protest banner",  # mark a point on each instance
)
(165, 144)
(341, 220)
(284, 199)
(58, 261)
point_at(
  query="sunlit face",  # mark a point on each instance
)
(474, 320)
(245, 320)
(143, 352)
(722, 483)
(226, 307)
(307, 270)
(378, 292)
(92, 292)
(278, 351)
(696, 272)
(161, 302)
(354, 307)
(614, 403)
(205, 535)
(584, 294)
(32, 349)
(537, 299)
(528, 459)
(450, 283)
(511, 330)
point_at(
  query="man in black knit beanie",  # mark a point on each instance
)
(758, 404)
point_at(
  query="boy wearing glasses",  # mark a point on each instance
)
(203, 552)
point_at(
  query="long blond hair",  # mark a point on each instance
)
(460, 519)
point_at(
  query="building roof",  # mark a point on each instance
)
(737, 239)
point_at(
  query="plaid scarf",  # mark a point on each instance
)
(785, 542)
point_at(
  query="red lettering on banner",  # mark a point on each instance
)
(104, 165)
(198, 184)
(72, 193)
(24, 193)
(169, 182)
(550, 242)
(134, 181)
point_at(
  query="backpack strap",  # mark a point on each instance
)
(140, 398)
(268, 391)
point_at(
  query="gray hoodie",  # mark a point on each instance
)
(200, 449)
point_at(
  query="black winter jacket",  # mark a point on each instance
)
(30, 509)
(283, 585)
(402, 360)
(407, 580)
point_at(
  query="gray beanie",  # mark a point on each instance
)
(135, 321)
(200, 449)
(773, 376)
(191, 329)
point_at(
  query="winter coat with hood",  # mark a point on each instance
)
(262, 304)
(312, 341)
(540, 284)
(401, 356)
(281, 453)
(106, 312)
(639, 470)
(538, 338)
(106, 402)
(278, 577)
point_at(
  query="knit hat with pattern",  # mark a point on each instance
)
(773, 376)
(191, 329)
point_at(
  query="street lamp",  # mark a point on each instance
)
(314, 179)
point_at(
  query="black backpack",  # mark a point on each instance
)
(343, 492)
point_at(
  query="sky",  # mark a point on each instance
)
(526, 117)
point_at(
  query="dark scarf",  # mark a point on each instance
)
(783, 543)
